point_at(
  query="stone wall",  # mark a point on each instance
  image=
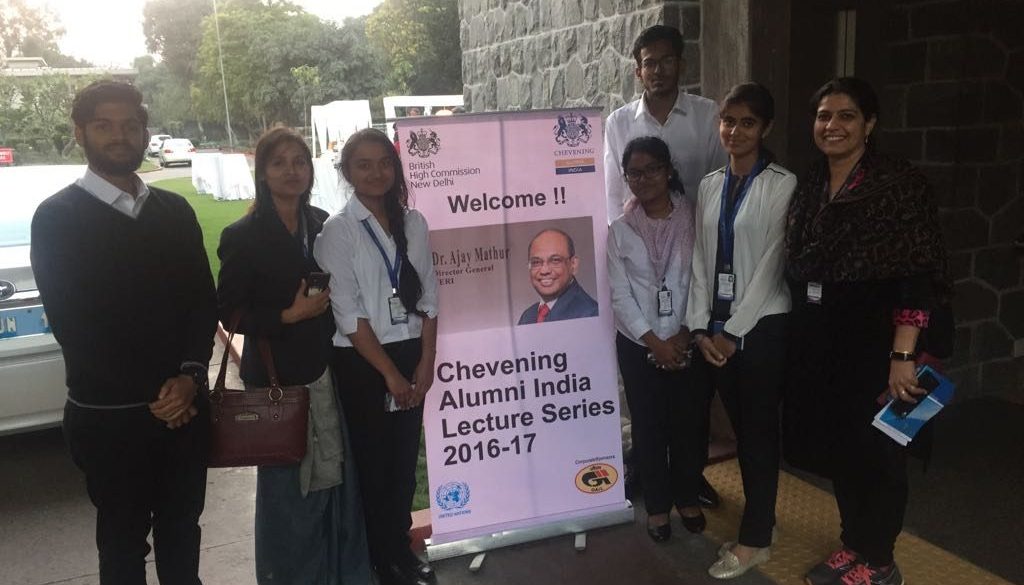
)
(953, 103)
(534, 54)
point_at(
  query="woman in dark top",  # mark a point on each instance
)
(867, 270)
(308, 519)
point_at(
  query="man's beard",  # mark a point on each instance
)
(101, 162)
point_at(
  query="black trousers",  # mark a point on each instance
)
(750, 385)
(870, 484)
(142, 475)
(385, 446)
(669, 425)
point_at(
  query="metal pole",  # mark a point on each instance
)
(223, 83)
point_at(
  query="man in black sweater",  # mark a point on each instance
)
(127, 290)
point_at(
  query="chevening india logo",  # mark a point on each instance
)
(572, 130)
(423, 143)
(596, 478)
(452, 495)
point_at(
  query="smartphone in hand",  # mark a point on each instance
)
(317, 282)
(927, 382)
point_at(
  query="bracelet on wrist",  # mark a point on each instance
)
(902, 356)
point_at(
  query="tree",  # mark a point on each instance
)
(35, 114)
(31, 32)
(173, 30)
(420, 43)
(167, 100)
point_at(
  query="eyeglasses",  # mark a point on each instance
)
(648, 172)
(555, 262)
(666, 62)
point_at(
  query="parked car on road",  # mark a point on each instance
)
(176, 151)
(155, 142)
(32, 383)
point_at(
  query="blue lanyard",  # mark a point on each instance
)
(727, 214)
(393, 269)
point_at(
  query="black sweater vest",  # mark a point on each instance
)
(129, 300)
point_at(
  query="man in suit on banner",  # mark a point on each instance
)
(553, 264)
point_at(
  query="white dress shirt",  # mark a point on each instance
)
(360, 285)
(691, 132)
(635, 286)
(129, 204)
(759, 251)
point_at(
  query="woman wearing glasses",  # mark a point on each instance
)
(738, 305)
(649, 252)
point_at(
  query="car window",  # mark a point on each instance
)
(178, 143)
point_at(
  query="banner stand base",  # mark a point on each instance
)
(478, 544)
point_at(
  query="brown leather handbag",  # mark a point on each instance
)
(258, 426)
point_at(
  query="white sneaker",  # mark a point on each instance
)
(729, 566)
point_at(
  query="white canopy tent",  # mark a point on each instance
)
(333, 123)
(225, 176)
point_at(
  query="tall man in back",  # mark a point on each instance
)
(687, 123)
(127, 289)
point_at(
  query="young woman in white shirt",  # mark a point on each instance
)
(649, 250)
(738, 305)
(384, 298)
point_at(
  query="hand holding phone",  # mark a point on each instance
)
(317, 282)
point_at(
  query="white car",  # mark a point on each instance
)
(176, 151)
(155, 141)
(32, 382)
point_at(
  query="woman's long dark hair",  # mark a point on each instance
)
(655, 148)
(410, 288)
(265, 147)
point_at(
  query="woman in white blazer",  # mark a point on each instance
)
(738, 304)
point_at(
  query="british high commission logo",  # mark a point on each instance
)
(596, 478)
(423, 143)
(572, 130)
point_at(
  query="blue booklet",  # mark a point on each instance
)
(902, 420)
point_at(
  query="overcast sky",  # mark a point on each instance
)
(109, 32)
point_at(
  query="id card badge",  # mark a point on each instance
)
(726, 286)
(397, 309)
(814, 293)
(664, 302)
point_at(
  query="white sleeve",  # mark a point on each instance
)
(614, 184)
(769, 272)
(698, 305)
(335, 252)
(626, 309)
(420, 255)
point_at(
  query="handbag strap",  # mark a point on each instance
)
(265, 354)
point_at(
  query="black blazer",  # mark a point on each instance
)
(261, 266)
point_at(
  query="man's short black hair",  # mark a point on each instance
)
(656, 33)
(105, 91)
(568, 239)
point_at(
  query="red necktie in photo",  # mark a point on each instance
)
(542, 312)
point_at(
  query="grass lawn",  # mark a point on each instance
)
(213, 215)
(148, 165)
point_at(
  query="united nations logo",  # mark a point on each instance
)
(596, 478)
(572, 130)
(452, 495)
(423, 143)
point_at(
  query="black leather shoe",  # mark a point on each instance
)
(418, 567)
(696, 524)
(707, 496)
(399, 575)
(660, 533)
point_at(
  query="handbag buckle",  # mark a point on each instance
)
(275, 398)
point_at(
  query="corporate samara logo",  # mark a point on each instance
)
(596, 478)
(453, 495)
(423, 143)
(572, 130)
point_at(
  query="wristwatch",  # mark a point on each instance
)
(902, 356)
(198, 373)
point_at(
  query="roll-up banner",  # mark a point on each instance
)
(522, 423)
